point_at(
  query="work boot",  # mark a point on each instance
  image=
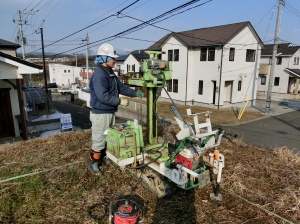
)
(103, 159)
(94, 163)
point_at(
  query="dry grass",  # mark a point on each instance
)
(62, 190)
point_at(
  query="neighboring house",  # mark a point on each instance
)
(86, 76)
(120, 67)
(12, 70)
(130, 63)
(208, 61)
(286, 71)
(64, 75)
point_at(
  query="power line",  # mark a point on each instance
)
(142, 25)
(87, 26)
(28, 5)
(292, 9)
(118, 16)
(148, 23)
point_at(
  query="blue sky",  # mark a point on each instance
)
(65, 17)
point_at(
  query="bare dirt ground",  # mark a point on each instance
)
(46, 180)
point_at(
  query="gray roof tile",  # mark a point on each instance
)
(217, 35)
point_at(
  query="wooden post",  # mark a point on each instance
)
(22, 110)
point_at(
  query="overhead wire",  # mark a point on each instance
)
(133, 29)
(29, 5)
(117, 12)
(118, 17)
(269, 23)
(51, 9)
(130, 29)
(113, 37)
(143, 24)
(84, 28)
(292, 9)
(36, 5)
(152, 24)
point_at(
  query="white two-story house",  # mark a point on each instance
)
(286, 75)
(130, 63)
(65, 75)
(214, 65)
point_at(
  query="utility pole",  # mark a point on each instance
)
(75, 54)
(44, 65)
(269, 93)
(87, 58)
(21, 38)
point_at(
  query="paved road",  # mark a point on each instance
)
(271, 132)
(80, 115)
(280, 128)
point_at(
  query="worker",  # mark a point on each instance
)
(105, 88)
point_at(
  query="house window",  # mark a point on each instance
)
(69, 71)
(270, 60)
(170, 55)
(176, 55)
(128, 68)
(239, 85)
(250, 55)
(175, 85)
(200, 87)
(295, 60)
(65, 71)
(203, 53)
(211, 54)
(297, 63)
(133, 68)
(169, 85)
(231, 54)
(278, 60)
(276, 81)
(263, 80)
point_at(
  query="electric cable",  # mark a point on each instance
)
(29, 5)
(86, 27)
(36, 5)
(132, 29)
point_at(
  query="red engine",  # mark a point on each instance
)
(187, 159)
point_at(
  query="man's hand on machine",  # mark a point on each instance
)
(124, 102)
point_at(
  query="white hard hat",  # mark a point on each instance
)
(107, 50)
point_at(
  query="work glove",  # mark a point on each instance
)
(124, 102)
(139, 94)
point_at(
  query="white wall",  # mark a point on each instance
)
(130, 60)
(8, 71)
(207, 71)
(178, 68)
(240, 69)
(63, 75)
